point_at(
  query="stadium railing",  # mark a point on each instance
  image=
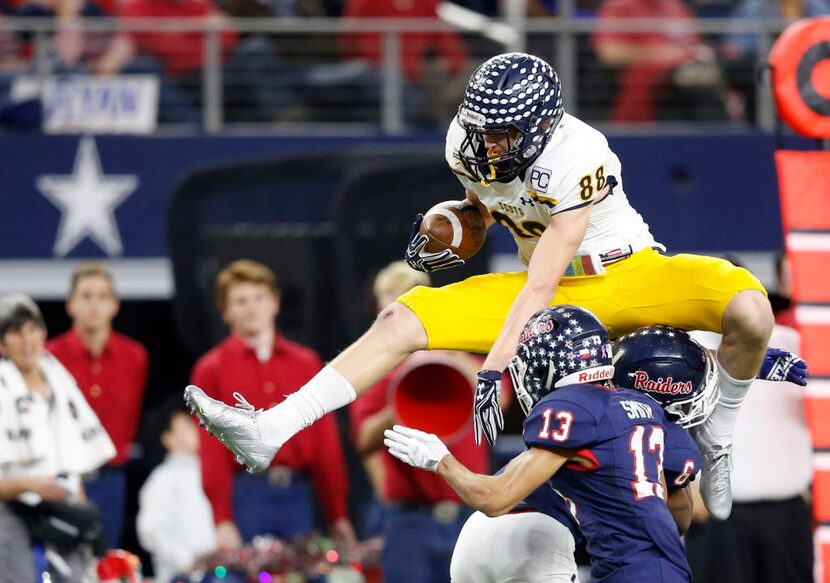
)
(308, 71)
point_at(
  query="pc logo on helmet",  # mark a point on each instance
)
(559, 345)
(671, 367)
(518, 96)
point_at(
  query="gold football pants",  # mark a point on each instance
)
(685, 291)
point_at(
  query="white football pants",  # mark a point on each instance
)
(526, 547)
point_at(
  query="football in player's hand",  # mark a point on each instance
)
(454, 225)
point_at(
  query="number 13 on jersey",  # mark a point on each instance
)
(648, 455)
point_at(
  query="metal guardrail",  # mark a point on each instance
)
(564, 34)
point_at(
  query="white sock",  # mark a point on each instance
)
(326, 392)
(721, 424)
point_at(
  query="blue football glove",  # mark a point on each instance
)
(781, 365)
(487, 415)
(420, 259)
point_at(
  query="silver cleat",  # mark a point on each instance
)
(715, 479)
(236, 427)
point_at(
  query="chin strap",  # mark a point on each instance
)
(492, 172)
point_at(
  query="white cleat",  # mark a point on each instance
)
(236, 427)
(715, 480)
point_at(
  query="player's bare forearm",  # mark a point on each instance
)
(497, 495)
(477, 490)
(681, 508)
(485, 212)
(557, 246)
(369, 437)
(528, 302)
(11, 488)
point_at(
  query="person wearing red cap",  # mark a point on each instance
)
(256, 359)
(111, 371)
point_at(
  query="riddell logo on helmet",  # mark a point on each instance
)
(597, 374)
(537, 328)
(472, 117)
(666, 387)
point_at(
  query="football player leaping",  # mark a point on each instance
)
(555, 184)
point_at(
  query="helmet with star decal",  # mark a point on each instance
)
(671, 367)
(559, 346)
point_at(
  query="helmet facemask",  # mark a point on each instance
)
(494, 165)
(696, 409)
(527, 388)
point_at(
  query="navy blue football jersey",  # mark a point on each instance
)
(617, 493)
(681, 463)
(682, 460)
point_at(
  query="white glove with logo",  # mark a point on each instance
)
(416, 448)
(487, 416)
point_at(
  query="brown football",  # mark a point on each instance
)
(455, 225)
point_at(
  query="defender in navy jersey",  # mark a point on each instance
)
(535, 541)
(616, 439)
(601, 447)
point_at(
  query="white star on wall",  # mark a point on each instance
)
(87, 200)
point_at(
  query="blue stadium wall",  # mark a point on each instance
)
(698, 192)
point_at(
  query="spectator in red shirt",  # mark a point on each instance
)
(446, 76)
(421, 517)
(652, 63)
(415, 46)
(111, 371)
(253, 84)
(257, 360)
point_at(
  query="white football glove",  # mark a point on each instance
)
(416, 448)
(488, 418)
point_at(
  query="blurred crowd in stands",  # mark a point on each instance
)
(674, 72)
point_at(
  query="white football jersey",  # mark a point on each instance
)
(572, 171)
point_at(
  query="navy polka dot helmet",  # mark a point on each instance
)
(518, 95)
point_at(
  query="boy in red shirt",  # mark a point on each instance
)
(257, 360)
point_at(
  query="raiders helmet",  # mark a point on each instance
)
(670, 366)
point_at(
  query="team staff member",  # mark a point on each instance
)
(111, 371)
(423, 515)
(256, 359)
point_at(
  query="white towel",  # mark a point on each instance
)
(82, 443)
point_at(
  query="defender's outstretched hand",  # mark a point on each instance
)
(420, 259)
(487, 415)
(782, 365)
(416, 448)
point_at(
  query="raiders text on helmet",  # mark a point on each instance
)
(671, 367)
